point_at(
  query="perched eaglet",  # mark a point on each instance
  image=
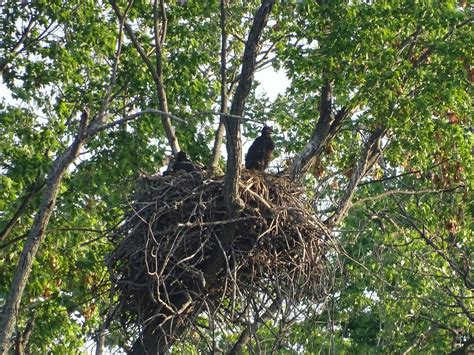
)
(183, 163)
(260, 152)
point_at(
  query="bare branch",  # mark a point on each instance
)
(252, 328)
(388, 178)
(113, 77)
(96, 129)
(403, 192)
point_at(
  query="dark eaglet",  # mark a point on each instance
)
(183, 163)
(260, 152)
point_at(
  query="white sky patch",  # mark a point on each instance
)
(272, 82)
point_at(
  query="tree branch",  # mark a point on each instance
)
(23, 337)
(96, 129)
(368, 157)
(403, 192)
(99, 120)
(245, 336)
(155, 337)
(34, 190)
(38, 231)
(232, 126)
(325, 130)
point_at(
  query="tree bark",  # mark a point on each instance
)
(232, 125)
(37, 234)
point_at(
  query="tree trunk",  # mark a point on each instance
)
(157, 339)
(37, 234)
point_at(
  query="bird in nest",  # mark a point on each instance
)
(182, 163)
(260, 152)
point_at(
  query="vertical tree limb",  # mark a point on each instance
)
(156, 72)
(159, 334)
(232, 125)
(219, 135)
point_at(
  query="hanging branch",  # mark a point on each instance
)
(219, 137)
(156, 73)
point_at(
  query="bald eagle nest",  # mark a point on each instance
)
(171, 262)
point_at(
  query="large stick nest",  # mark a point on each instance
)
(173, 234)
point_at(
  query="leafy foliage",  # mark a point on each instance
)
(406, 245)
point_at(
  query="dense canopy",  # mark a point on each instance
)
(376, 123)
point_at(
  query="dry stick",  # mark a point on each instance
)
(219, 137)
